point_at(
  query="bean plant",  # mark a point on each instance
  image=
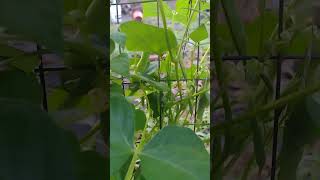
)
(38, 108)
(154, 127)
(247, 124)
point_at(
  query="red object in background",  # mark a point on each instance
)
(137, 15)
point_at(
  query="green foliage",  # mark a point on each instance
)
(236, 26)
(143, 37)
(140, 120)
(29, 134)
(199, 34)
(120, 64)
(25, 63)
(11, 82)
(31, 21)
(302, 128)
(252, 127)
(181, 157)
(122, 132)
(96, 15)
(153, 99)
(32, 137)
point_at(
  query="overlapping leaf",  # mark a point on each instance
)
(148, 38)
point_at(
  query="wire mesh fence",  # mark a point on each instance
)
(279, 58)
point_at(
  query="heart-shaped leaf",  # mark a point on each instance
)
(178, 152)
(122, 132)
(28, 136)
(199, 34)
(148, 38)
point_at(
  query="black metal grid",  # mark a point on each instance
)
(41, 73)
(279, 58)
(159, 62)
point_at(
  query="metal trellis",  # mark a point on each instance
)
(118, 3)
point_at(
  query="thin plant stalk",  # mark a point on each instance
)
(218, 129)
(139, 148)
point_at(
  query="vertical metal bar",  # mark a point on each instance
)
(277, 112)
(159, 74)
(118, 22)
(213, 8)
(42, 81)
(196, 80)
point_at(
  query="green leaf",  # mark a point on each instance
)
(183, 11)
(25, 63)
(85, 49)
(236, 27)
(148, 38)
(258, 144)
(19, 85)
(199, 34)
(253, 30)
(120, 64)
(313, 105)
(112, 46)
(140, 119)
(92, 166)
(181, 157)
(154, 104)
(204, 102)
(116, 89)
(70, 5)
(56, 99)
(302, 128)
(28, 135)
(119, 38)
(299, 43)
(122, 132)
(161, 86)
(303, 11)
(76, 60)
(143, 63)
(96, 17)
(39, 20)
(8, 51)
(150, 10)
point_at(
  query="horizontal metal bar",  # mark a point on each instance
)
(63, 68)
(239, 58)
(137, 2)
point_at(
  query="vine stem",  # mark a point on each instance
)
(92, 132)
(168, 44)
(135, 156)
(138, 150)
